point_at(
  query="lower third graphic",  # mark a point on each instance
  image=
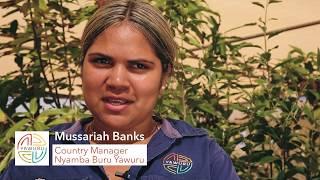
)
(32, 148)
(177, 163)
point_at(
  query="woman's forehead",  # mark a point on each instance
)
(123, 41)
(122, 34)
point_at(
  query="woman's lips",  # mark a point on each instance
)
(116, 104)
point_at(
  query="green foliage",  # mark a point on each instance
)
(46, 53)
(275, 135)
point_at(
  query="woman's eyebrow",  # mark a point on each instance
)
(94, 54)
(141, 61)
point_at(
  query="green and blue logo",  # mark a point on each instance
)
(32, 148)
(177, 163)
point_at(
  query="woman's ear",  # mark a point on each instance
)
(163, 86)
(165, 77)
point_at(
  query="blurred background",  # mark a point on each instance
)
(234, 14)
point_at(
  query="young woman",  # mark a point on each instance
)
(127, 56)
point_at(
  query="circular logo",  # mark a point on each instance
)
(177, 163)
(32, 148)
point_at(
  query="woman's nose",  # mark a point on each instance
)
(117, 81)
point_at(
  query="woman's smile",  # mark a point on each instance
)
(116, 104)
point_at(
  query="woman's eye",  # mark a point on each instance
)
(139, 66)
(102, 61)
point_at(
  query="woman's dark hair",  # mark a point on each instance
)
(141, 15)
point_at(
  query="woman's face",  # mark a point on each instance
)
(121, 78)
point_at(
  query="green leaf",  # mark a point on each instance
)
(33, 106)
(43, 5)
(281, 175)
(268, 159)
(275, 47)
(316, 114)
(39, 126)
(206, 108)
(21, 40)
(263, 28)
(272, 34)
(6, 159)
(43, 116)
(261, 82)
(3, 117)
(16, 127)
(266, 56)
(296, 50)
(244, 25)
(19, 60)
(256, 156)
(273, 19)
(42, 119)
(274, 134)
(13, 27)
(7, 4)
(274, 1)
(250, 24)
(192, 41)
(302, 71)
(258, 4)
(11, 12)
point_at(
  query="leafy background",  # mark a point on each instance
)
(264, 113)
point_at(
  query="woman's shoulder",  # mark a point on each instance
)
(196, 137)
(185, 129)
(71, 127)
(61, 127)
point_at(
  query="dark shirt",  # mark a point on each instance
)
(177, 151)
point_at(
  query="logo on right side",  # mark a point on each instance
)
(177, 163)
